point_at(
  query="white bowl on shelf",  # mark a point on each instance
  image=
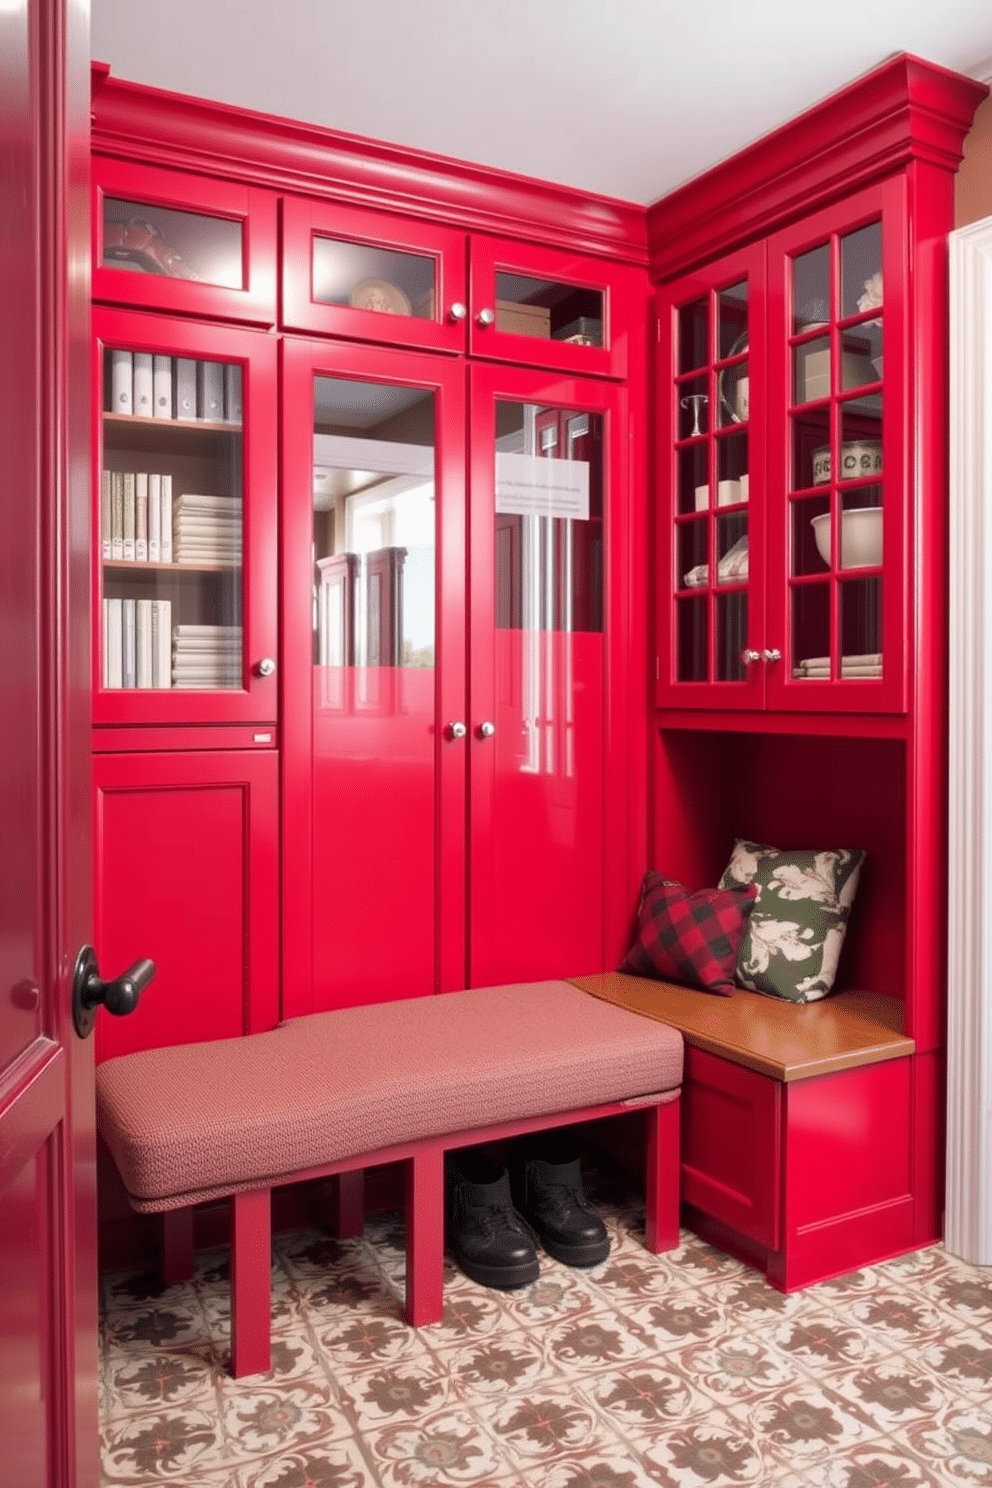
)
(860, 537)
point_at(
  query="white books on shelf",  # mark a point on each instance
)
(117, 515)
(165, 495)
(143, 642)
(129, 515)
(113, 675)
(162, 386)
(154, 518)
(210, 391)
(121, 382)
(129, 623)
(184, 388)
(144, 393)
(141, 517)
(232, 393)
(161, 647)
(107, 513)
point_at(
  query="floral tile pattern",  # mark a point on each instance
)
(677, 1371)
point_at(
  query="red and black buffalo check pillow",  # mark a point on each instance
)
(689, 938)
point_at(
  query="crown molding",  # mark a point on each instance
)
(185, 133)
(905, 110)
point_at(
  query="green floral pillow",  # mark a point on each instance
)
(792, 942)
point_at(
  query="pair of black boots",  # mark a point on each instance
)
(496, 1215)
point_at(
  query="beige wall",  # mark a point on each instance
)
(973, 183)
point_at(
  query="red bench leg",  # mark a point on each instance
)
(178, 1260)
(425, 1237)
(251, 1282)
(661, 1178)
(349, 1204)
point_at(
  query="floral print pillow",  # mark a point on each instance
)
(792, 942)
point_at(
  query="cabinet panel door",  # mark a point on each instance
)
(372, 276)
(731, 1145)
(184, 567)
(186, 871)
(712, 487)
(165, 240)
(546, 716)
(546, 308)
(840, 466)
(373, 604)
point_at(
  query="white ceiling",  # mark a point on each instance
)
(623, 97)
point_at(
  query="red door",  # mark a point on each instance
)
(48, 1316)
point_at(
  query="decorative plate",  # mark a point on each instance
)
(732, 387)
(381, 296)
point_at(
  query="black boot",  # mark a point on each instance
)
(486, 1235)
(549, 1194)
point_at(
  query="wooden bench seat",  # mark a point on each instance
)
(334, 1093)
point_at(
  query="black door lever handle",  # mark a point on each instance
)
(119, 996)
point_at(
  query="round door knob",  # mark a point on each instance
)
(486, 730)
(485, 317)
(457, 731)
(748, 656)
(458, 311)
(265, 667)
(773, 654)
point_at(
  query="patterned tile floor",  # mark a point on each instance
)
(684, 1370)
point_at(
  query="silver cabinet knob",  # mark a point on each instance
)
(485, 317)
(774, 654)
(265, 667)
(458, 311)
(457, 731)
(486, 730)
(748, 656)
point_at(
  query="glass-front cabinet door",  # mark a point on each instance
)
(372, 276)
(185, 493)
(712, 556)
(168, 240)
(837, 604)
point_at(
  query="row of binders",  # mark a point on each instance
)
(140, 523)
(174, 387)
(141, 649)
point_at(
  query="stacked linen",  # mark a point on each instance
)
(867, 665)
(206, 529)
(206, 656)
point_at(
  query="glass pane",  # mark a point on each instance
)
(733, 385)
(732, 549)
(811, 362)
(811, 289)
(692, 625)
(861, 270)
(171, 523)
(548, 309)
(732, 309)
(384, 280)
(862, 360)
(811, 630)
(732, 473)
(549, 518)
(811, 535)
(861, 628)
(146, 239)
(693, 554)
(694, 401)
(731, 636)
(810, 449)
(861, 438)
(861, 528)
(694, 341)
(693, 478)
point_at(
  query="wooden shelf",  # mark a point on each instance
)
(130, 565)
(133, 431)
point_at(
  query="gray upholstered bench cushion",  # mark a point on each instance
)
(199, 1121)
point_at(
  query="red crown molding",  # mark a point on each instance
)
(173, 129)
(907, 109)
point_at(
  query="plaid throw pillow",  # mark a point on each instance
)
(689, 938)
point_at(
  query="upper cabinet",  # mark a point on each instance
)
(784, 418)
(169, 240)
(376, 277)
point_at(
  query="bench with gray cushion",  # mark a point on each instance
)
(337, 1092)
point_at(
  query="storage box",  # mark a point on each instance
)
(856, 371)
(523, 320)
(586, 331)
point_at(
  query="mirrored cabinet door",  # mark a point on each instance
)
(171, 241)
